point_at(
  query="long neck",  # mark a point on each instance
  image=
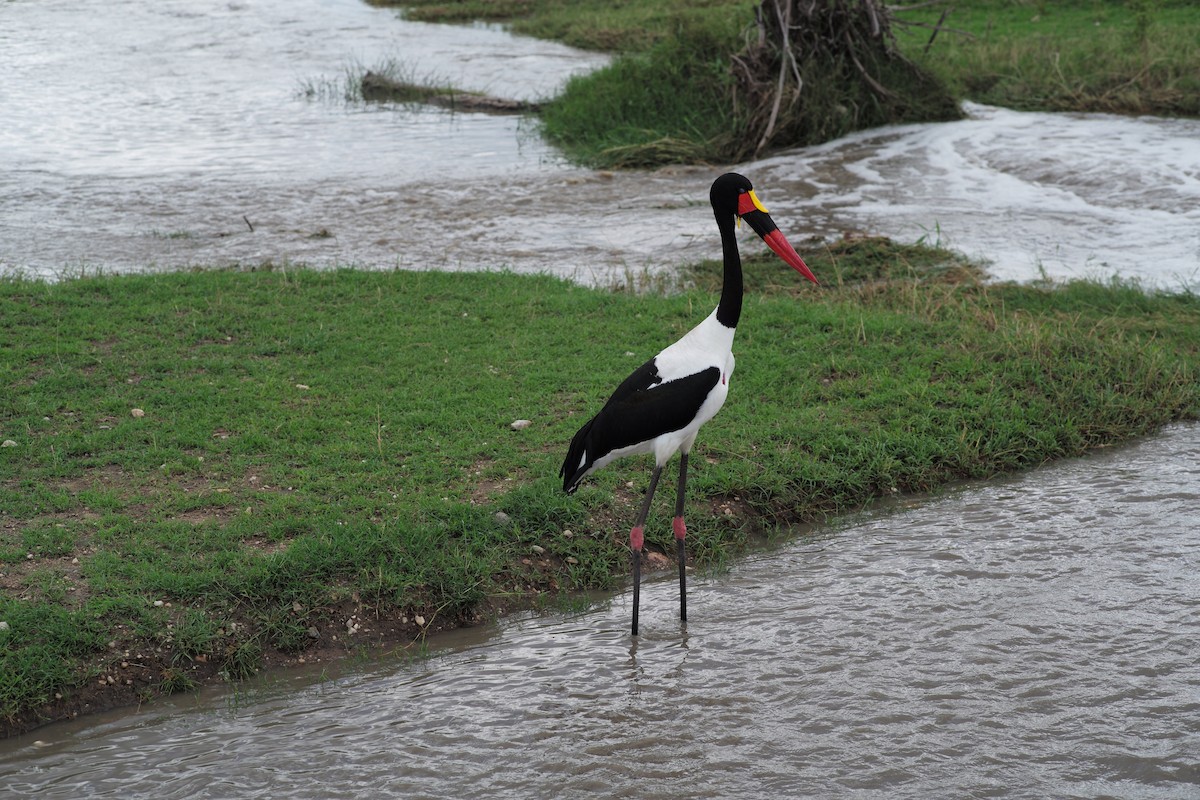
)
(729, 310)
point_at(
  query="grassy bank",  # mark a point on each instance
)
(1128, 57)
(668, 98)
(217, 471)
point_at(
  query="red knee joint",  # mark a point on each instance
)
(680, 528)
(636, 539)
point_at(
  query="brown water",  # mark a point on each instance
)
(1031, 637)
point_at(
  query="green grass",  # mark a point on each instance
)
(667, 105)
(1130, 56)
(321, 445)
(627, 27)
(668, 97)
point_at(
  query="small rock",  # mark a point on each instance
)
(502, 518)
(568, 533)
(657, 560)
(137, 413)
(313, 633)
(158, 604)
(8, 443)
(419, 620)
(572, 560)
(297, 607)
(520, 424)
(301, 386)
(3, 625)
(538, 549)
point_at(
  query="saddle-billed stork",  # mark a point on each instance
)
(661, 406)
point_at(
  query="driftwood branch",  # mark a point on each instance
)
(936, 28)
(785, 22)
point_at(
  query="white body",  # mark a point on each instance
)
(709, 344)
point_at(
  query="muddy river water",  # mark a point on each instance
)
(1031, 637)
(160, 135)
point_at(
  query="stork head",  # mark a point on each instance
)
(732, 195)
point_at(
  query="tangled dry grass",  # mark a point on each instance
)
(814, 69)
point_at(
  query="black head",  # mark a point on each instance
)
(725, 192)
(732, 197)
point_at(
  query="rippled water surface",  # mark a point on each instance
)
(1033, 637)
(166, 134)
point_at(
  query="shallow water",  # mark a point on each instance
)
(1030, 637)
(157, 136)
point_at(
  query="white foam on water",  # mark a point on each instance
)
(1070, 195)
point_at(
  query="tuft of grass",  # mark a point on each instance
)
(243, 659)
(175, 681)
(390, 79)
(195, 635)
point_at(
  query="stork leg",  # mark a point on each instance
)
(680, 533)
(637, 540)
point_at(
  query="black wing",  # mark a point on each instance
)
(641, 409)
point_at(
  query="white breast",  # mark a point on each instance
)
(709, 344)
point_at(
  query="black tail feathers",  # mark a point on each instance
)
(578, 461)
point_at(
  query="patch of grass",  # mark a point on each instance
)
(48, 539)
(196, 634)
(322, 445)
(591, 24)
(42, 651)
(243, 659)
(678, 102)
(1122, 56)
(175, 681)
(667, 105)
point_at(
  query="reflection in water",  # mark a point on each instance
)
(140, 138)
(1032, 637)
